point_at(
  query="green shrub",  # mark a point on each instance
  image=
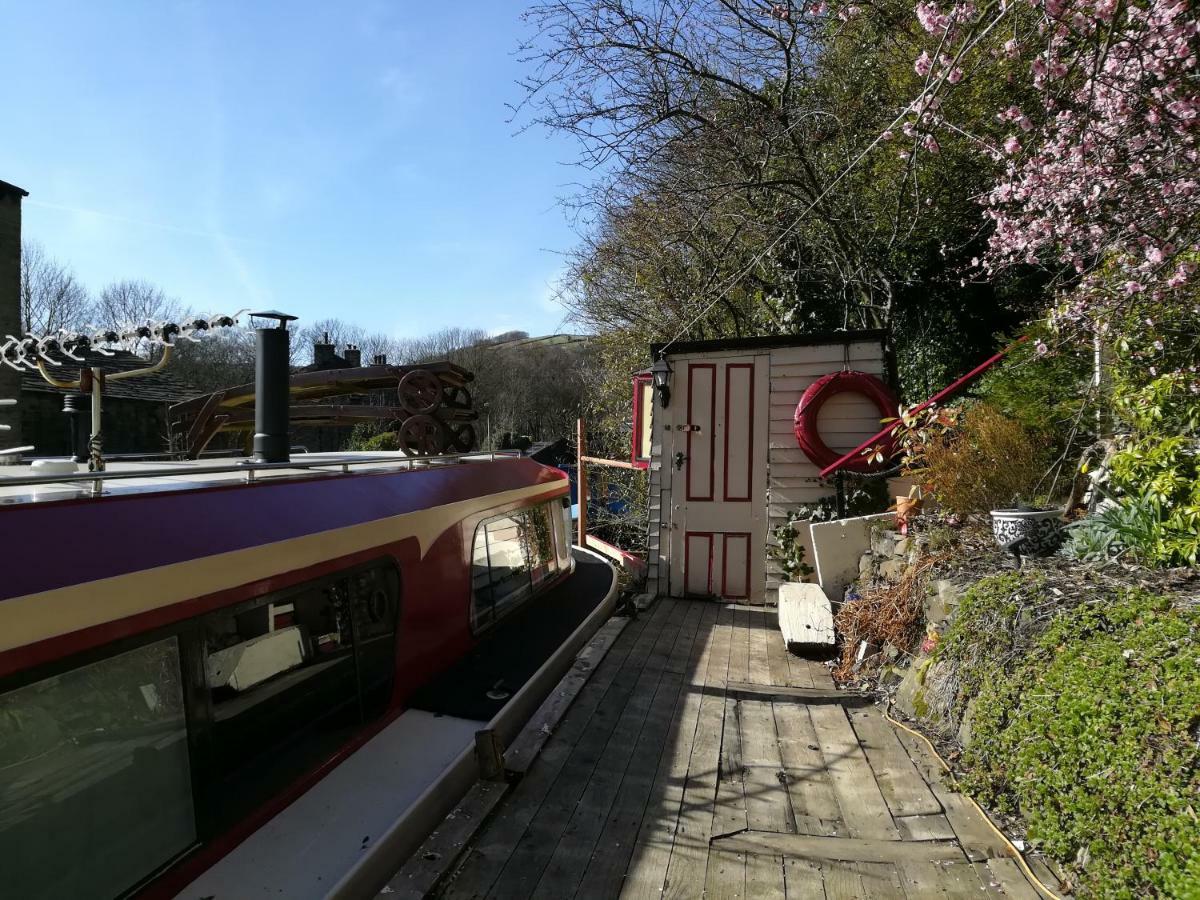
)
(1042, 392)
(982, 637)
(1156, 522)
(1093, 740)
(385, 440)
(989, 462)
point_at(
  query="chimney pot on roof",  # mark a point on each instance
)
(353, 356)
(323, 356)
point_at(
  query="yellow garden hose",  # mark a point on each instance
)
(1017, 855)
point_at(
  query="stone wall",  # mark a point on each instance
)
(888, 559)
(130, 426)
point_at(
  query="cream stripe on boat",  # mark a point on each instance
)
(36, 617)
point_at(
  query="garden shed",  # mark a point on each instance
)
(715, 426)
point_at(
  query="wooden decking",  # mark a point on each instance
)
(702, 760)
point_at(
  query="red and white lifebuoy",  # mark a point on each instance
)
(818, 393)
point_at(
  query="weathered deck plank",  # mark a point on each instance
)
(777, 662)
(864, 810)
(767, 806)
(491, 850)
(688, 863)
(652, 850)
(726, 873)
(590, 778)
(906, 792)
(761, 625)
(978, 839)
(610, 852)
(815, 808)
(700, 760)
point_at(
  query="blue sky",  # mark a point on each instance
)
(348, 159)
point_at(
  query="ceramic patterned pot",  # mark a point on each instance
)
(1029, 532)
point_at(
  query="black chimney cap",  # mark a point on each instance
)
(282, 318)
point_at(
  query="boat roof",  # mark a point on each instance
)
(21, 485)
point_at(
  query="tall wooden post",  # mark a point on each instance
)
(581, 480)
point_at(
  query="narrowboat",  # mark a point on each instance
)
(227, 679)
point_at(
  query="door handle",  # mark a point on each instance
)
(679, 460)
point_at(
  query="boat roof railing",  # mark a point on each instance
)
(250, 469)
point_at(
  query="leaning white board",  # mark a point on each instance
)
(805, 616)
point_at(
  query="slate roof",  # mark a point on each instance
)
(162, 386)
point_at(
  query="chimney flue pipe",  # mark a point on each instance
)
(271, 396)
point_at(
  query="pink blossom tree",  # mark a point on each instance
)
(1102, 180)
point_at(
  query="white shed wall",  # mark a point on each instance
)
(845, 422)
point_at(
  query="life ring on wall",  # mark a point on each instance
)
(818, 393)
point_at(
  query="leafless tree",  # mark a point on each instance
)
(134, 302)
(52, 298)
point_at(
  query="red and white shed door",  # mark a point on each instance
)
(718, 469)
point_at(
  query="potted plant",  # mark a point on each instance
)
(917, 429)
(1025, 530)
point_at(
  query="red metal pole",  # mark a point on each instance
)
(940, 395)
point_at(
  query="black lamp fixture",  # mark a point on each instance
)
(661, 370)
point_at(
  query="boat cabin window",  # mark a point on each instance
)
(512, 556)
(95, 776)
(291, 677)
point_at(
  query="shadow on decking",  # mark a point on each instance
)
(701, 759)
(652, 756)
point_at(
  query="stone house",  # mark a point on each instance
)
(135, 411)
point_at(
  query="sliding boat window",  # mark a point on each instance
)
(511, 557)
(291, 677)
(508, 562)
(538, 537)
(95, 780)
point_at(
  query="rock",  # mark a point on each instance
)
(865, 564)
(883, 543)
(941, 601)
(903, 546)
(910, 696)
(892, 569)
(965, 727)
(890, 652)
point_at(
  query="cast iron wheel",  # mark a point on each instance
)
(458, 398)
(420, 392)
(422, 436)
(464, 438)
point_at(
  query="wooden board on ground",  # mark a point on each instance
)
(802, 695)
(805, 616)
(651, 851)
(979, 840)
(490, 853)
(687, 866)
(429, 864)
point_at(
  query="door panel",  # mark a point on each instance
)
(735, 566)
(718, 484)
(697, 564)
(739, 432)
(701, 443)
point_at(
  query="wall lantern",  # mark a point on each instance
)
(661, 370)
